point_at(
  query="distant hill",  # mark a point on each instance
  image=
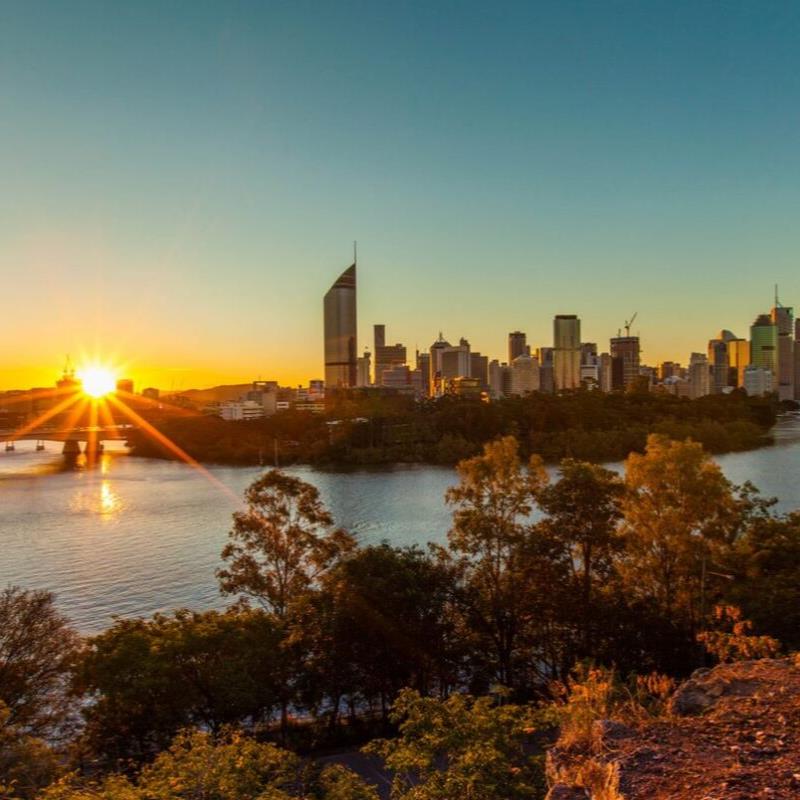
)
(216, 394)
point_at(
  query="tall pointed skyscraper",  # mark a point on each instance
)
(340, 332)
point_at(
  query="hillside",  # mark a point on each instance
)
(733, 734)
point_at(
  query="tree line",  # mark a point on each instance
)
(331, 643)
(370, 428)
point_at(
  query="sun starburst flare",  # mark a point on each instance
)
(97, 381)
(84, 403)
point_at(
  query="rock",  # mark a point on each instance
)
(699, 693)
(563, 792)
(606, 732)
(690, 699)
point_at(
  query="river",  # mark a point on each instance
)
(133, 536)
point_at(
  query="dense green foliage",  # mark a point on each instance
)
(378, 429)
(228, 766)
(461, 747)
(330, 643)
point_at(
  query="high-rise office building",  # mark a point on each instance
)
(456, 361)
(339, 308)
(783, 319)
(588, 353)
(379, 336)
(546, 376)
(625, 352)
(524, 375)
(499, 381)
(386, 357)
(668, 369)
(566, 352)
(699, 375)
(738, 360)
(479, 368)
(435, 385)
(424, 369)
(363, 369)
(517, 345)
(403, 379)
(718, 359)
(604, 369)
(764, 343)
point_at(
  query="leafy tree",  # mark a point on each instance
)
(27, 763)
(37, 649)
(281, 544)
(146, 679)
(678, 512)
(733, 640)
(762, 576)
(491, 535)
(229, 766)
(461, 747)
(582, 512)
(382, 622)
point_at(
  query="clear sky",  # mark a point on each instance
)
(180, 182)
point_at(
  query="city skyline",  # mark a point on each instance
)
(339, 320)
(178, 186)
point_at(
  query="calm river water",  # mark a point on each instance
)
(134, 536)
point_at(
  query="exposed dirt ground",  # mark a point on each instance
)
(733, 734)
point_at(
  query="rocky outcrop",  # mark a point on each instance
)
(732, 733)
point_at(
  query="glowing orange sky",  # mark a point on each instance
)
(181, 186)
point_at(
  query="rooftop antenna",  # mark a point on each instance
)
(355, 252)
(777, 302)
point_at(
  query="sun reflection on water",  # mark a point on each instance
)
(98, 498)
(109, 499)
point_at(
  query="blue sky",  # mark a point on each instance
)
(181, 181)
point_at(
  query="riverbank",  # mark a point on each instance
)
(585, 425)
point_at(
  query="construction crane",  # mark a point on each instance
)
(629, 322)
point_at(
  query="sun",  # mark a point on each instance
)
(97, 381)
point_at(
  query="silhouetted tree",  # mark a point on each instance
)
(38, 648)
(490, 537)
(280, 547)
(582, 513)
(762, 577)
(149, 678)
(382, 622)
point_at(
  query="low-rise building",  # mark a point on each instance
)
(237, 410)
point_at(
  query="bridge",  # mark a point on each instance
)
(93, 436)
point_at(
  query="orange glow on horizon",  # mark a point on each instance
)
(95, 392)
